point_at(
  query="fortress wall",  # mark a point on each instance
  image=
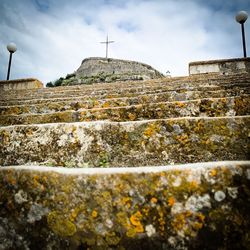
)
(94, 66)
(222, 67)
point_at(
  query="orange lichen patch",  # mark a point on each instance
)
(126, 201)
(131, 116)
(151, 130)
(74, 214)
(153, 200)
(135, 218)
(197, 225)
(163, 174)
(180, 104)
(106, 105)
(200, 217)
(183, 139)
(139, 228)
(36, 180)
(94, 214)
(193, 185)
(171, 201)
(200, 126)
(96, 103)
(213, 172)
(178, 222)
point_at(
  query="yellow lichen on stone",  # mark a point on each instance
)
(213, 172)
(131, 232)
(5, 137)
(200, 126)
(151, 130)
(178, 222)
(60, 225)
(112, 239)
(154, 200)
(161, 221)
(131, 116)
(94, 214)
(126, 201)
(123, 219)
(183, 139)
(106, 105)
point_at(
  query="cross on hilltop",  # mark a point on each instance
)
(107, 42)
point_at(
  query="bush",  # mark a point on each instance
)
(68, 76)
(49, 85)
(59, 81)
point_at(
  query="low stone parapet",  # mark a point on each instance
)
(222, 67)
(21, 84)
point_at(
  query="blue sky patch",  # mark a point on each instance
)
(42, 5)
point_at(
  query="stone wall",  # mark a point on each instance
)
(19, 84)
(222, 67)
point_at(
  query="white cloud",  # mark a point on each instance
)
(53, 38)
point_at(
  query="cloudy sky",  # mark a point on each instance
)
(54, 36)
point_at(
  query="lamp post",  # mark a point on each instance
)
(241, 18)
(11, 47)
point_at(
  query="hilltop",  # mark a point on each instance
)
(100, 70)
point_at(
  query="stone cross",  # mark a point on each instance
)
(107, 42)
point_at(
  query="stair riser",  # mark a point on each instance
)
(127, 144)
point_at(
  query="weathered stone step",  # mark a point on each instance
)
(175, 81)
(170, 92)
(121, 92)
(126, 144)
(211, 107)
(59, 105)
(172, 207)
(117, 90)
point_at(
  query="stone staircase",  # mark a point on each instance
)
(157, 164)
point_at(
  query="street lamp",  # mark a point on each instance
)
(11, 47)
(241, 18)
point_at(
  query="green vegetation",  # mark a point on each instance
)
(61, 81)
